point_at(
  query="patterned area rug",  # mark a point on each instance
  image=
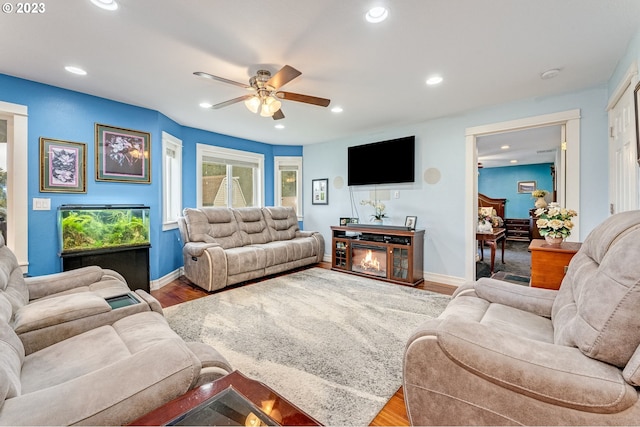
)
(331, 343)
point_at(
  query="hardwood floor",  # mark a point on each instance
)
(394, 412)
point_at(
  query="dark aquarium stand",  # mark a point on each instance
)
(131, 262)
(109, 236)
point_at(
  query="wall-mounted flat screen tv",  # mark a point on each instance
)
(384, 162)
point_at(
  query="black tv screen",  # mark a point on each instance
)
(384, 162)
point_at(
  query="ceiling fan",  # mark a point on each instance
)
(265, 97)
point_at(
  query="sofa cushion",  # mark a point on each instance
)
(213, 225)
(282, 222)
(245, 259)
(252, 226)
(596, 307)
(11, 279)
(11, 358)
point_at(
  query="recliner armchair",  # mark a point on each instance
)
(50, 308)
(506, 354)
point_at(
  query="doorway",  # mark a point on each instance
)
(568, 179)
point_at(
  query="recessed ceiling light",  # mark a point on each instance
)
(279, 126)
(106, 4)
(377, 14)
(337, 110)
(513, 161)
(434, 80)
(505, 147)
(206, 105)
(75, 70)
(549, 74)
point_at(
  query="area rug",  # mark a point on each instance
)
(329, 342)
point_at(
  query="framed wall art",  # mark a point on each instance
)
(526, 186)
(63, 166)
(320, 191)
(122, 155)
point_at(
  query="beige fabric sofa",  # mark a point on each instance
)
(46, 309)
(67, 357)
(224, 246)
(509, 354)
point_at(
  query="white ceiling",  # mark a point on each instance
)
(524, 147)
(488, 51)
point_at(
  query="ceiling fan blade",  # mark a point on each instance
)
(221, 79)
(308, 99)
(231, 101)
(278, 115)
(282, 77)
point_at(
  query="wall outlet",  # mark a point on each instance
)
(41, 204)
(396, 194)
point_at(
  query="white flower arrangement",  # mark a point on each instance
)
(554, 221)
(378, 206)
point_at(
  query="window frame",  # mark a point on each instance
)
(230, 155)
(171, 191)
(296, 163)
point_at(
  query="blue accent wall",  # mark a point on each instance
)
(503, 183)
(71, 116)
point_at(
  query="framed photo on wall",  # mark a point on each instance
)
(63, 166)
(526, 186)
(320, 191)
(122, 155)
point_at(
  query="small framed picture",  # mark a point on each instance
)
(122, 155)
(526, 186)
(63, 166)
(346, 221)
(320, 191)
(410, 222)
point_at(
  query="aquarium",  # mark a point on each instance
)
(93, 227)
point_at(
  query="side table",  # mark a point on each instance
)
(549, 262)
(492, 239)
(276, 407)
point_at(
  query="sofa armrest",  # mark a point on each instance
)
(534, 300)
(301, 233)
(57, 310)
(196, 249)
(153, 303)
(117, 394)
(49, 284)
(555, 374)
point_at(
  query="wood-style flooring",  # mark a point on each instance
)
(394, 412)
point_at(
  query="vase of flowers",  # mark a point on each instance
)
(539, 196)
(554, 223)
(379, 207)
(485, 224)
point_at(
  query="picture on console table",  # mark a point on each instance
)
(410, 222)
(346, 221)
(320, 191)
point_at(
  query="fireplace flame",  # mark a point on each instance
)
(369, 262)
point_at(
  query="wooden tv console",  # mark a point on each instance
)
(401, 252)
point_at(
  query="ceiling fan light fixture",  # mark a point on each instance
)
(377, 14)
(253, 104)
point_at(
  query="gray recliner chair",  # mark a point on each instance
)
(506, 354)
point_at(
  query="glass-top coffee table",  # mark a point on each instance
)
(233, 400)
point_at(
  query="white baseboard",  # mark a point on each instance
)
(166, 279)
(444, 279)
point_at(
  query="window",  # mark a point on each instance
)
(171, 181)
(288, 183)
(230, 178)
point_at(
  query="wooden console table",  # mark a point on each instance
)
(268, 401)
(492, 239)
(549, 262)
(400, 252)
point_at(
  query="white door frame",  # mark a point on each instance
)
(17, 181)
(568, 182)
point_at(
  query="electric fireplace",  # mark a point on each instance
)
(369, 259)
